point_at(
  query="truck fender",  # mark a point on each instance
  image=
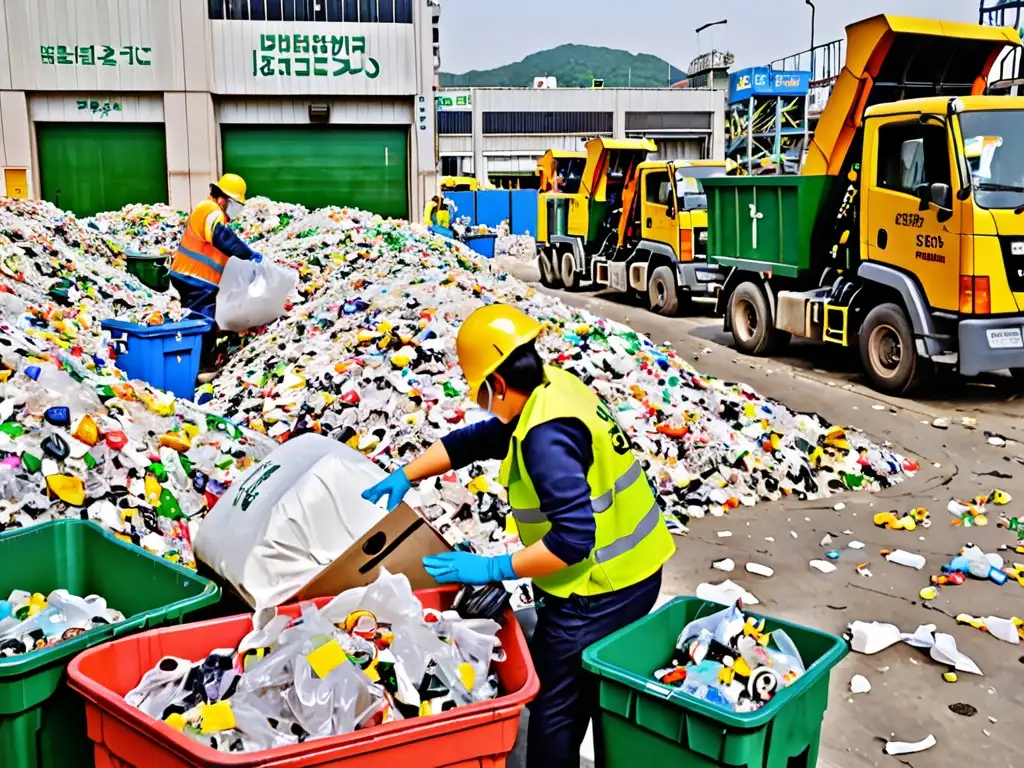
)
(914, 302)
(733, 279)
(650, 255)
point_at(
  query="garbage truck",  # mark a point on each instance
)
(560, 171)
(903, 236)
(635, 226)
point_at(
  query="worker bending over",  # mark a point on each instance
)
(205, 248)
(594, 535)
(438, 217)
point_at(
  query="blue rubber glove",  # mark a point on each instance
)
(467, 568)
(256, 258)
(394, 486)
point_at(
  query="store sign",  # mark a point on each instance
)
(302, 55)
(455, 101)
(95, 55)
(761, 81)
(99, 109)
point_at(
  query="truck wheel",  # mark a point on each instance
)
(752, 321)
(549, 275)
(888, 352)
(570, 275)
(662, 294)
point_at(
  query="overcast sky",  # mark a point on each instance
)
(481, 34)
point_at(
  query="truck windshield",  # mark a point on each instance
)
(994, 147)
(689, 190)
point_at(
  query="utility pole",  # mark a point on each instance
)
(813, 74)
(700, 29)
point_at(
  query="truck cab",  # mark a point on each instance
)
(904, 236)
(561, 171)
(634, 226)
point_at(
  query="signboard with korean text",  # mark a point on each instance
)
(96, 107)
(308, 58)
(454, 101)
(94, 45)
(762, 81)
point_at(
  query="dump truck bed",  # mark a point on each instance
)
(765, 223)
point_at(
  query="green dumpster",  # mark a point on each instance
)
(644, 723)
(151, 270)
(42, 722)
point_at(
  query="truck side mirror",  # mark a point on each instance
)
(941, 195)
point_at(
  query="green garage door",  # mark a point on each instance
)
(92, 167)
(322, 165)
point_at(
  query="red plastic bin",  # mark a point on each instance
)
(479, 735)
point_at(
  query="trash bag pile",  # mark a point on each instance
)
(728, 660)
(30, 621)
(141, 228)
(77, 444)
(370, 656)
(367, 356)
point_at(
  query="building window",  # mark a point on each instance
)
(454, 123)
(519, 123)
(668, 121)
(365, 11)
(450, 166)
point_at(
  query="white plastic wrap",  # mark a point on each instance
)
(253, 294)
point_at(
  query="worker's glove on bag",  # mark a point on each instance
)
(467, 568)
(257, 258)
(394, 486)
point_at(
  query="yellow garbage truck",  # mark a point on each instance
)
(903, 237)
(634, 226)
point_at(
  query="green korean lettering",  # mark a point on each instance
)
(129, 53)
(284, 43)
(268, 43)
(64, 55)
(47, 54)
(267, 68)
(319, 44)
(373, 69)
(320, 66)
(344, 67)
(300, 43)
(85, 55)
(107, 57)
(339, 45)
(284, 66)
(139, 53)
(302, 66)
(358, 44)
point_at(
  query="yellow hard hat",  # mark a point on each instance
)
(232, 185)
(488, 337)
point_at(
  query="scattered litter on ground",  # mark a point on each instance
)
(726, 565)
(908, 559)
(760, 570)
(725, 593)
(873, 637)
(859, 684)
(908, 748)
(964, 710)
(822, 565)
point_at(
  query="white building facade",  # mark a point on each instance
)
(104, 102)
(498, 134)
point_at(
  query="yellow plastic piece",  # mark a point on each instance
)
(467, 675)
(1000, 497)
(67, 488)
(326, 658)
(153, 490)
(87, 431)
(400, 360)
(176, 720)
(425, 709)
(176, 441)
(478, 485)
(216, 717)
(949, 677)
(929, 593)
(354, 619)
(836, 325)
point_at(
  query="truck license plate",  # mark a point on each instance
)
(1005, 338)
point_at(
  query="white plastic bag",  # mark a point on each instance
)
(252, 294)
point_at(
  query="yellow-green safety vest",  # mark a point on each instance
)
(632, 541)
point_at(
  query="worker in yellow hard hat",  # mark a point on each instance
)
(594, 537)
(206, 245)
(438, 217)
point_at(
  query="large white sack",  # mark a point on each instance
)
(289, 517)
(253, 294)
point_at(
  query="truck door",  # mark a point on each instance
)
(658, 221)
(908, 156)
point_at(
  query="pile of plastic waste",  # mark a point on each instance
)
(31, 621)
(367, 356)
(370, 656)
(728, 660)
(77, 444)
(141, 228)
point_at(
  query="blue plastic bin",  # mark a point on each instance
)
(482, 244)
(164, 356)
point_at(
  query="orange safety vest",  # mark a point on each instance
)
(196, 257)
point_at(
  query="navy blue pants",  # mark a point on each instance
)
(202, 301)
(560, 714)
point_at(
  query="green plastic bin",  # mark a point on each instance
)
(151, 270)
(644, 723)
(42, 722)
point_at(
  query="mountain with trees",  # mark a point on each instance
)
(575, 66)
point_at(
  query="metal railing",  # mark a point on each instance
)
(1004, 13)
